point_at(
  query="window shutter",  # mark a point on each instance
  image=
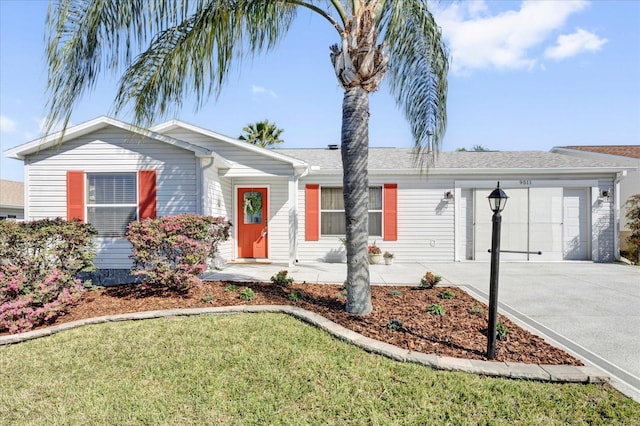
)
(147, 194)
(312, 212)
(390, 212)
(75, 195)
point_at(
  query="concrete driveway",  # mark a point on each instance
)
(590, 309)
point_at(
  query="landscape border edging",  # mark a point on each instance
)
(519, 371)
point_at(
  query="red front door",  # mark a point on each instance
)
(252, 222)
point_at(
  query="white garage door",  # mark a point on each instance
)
(576, 224)
(531, 221)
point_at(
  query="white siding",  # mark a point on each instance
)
(111, 150)
(465, 228)
(247, 163)
(425, 221)
(602, 223)
(218, 201)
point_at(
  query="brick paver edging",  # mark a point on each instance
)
(547, 373)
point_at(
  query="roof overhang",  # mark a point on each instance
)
(20, 152)
(300, 167)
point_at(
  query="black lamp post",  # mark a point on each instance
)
(497, 201)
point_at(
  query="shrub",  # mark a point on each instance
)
(282, 279)
(172, 251)
(296, 296)
(436, 309)
(39, 264)
(476, 310)
(247, 294)
(395, 292)
(231, 288)
(342, 294)
(429, 280)
(501, 331)
(446, 295)
(394, 325)
(633, 215)
(208, 298)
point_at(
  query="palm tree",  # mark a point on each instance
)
(262, 133)
(190, 47)
(475, 148)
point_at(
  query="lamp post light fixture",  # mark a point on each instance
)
(497, 201)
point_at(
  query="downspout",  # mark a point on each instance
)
(202, 196)
(294, 179)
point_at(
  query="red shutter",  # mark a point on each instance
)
(75, 195)
(312, 212)
(147, 194)
(390, 212)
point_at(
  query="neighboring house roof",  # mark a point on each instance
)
(11, 194)
(402, 159)
(21, 151)
(632, 151)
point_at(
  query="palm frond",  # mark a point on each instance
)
(194, 45)
(418, 68)
(85, 38)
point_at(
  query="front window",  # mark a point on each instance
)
(112, 202)
(332, 220)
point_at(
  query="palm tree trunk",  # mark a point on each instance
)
(355, 154)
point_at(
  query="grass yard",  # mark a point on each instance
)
(264, 369)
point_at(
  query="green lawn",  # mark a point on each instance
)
(264, 369)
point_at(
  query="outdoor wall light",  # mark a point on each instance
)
(448, 195)
(497, 199)
(605, 194)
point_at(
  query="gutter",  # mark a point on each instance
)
(487, 171)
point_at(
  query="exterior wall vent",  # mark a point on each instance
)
(333, 146)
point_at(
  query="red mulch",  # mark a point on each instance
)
(458, 333)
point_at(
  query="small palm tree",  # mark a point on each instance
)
(262, 133)
(191, 48)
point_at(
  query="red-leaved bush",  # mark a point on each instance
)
(172, 251)
(39, 262)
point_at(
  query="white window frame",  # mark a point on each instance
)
(89, 204)
(380, 211)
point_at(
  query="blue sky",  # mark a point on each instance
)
(525, 76)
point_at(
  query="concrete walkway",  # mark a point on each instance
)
(591, 310)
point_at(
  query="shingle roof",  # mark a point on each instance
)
(11, 193)
(402, 159)
(632, 151)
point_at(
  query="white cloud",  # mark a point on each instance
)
(477, 7)
(573, 44)
(7, 125)
(506, 40)
(259, 90)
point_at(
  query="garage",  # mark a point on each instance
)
(550, 219)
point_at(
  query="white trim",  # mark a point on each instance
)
(592, 201)
(525, 183)
(175, 124)
(21, 151)
(293, 220)
(509, 172)
(457, 197)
